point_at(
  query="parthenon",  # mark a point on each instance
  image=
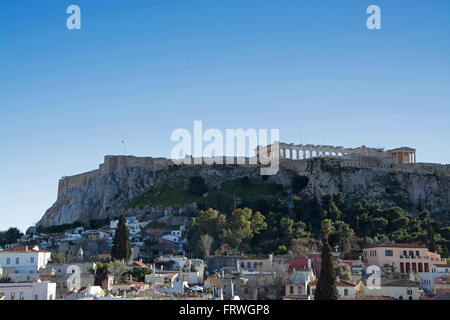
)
(307, 151)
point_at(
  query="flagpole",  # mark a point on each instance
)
(124, 141)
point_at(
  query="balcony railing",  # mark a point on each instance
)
(415, 257)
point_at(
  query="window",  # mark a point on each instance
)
(404, 253)
(32, 260)
(417, 253)
(299, 290)
(345, 292)
(17, 260)
(411, 253)
(388, 253)
(13, 296)
(409, 291)
(291, 290)
(8, 260)
(21, 295)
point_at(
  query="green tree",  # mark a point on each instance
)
(326, 286)
(445, 252)
(333, 212)
(10, 236)
(219, 200)
(298, 183)
(344, 238)
(208, 222)
(282, 249)
(430, 236)
(327, 228)
(424, 215)
(339, 199)
(258, 223)
(239, 227)
(121, 249)
(197, 186)
(343, 272)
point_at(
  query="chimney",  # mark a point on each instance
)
(309, 264)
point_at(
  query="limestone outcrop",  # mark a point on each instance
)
(107, 194)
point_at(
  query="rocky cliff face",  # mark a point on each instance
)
(109, 194)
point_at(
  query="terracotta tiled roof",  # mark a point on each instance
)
(298, 264)
(442, 265)
(254, 258)
(442, 296)
(395, 245)
(343, 283)
(395, 283)
(340, 283)
(376, 298)
(21, 249)
(139, 264)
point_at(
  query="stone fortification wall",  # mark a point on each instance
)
(111, 164)
(77, 181)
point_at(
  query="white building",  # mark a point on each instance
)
(175, 235)
(397, 289)
(24, 260)
(28, 291)
(427, 280)
(346, 290)
(133, 224)
(298, 287)
(88, 293)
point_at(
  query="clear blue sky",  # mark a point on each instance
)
(141, 69)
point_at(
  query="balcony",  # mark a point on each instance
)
(415, 257)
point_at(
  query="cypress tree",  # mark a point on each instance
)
(326, 286)
(445, 252)
(121, 249)
(430, 234)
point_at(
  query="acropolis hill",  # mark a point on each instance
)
(366, 173)
(400, 159)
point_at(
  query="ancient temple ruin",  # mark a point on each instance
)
(292, 151)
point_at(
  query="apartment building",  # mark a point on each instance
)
(405, 257)
(24, 260)
(28, 291)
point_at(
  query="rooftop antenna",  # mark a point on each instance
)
(124, 141)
